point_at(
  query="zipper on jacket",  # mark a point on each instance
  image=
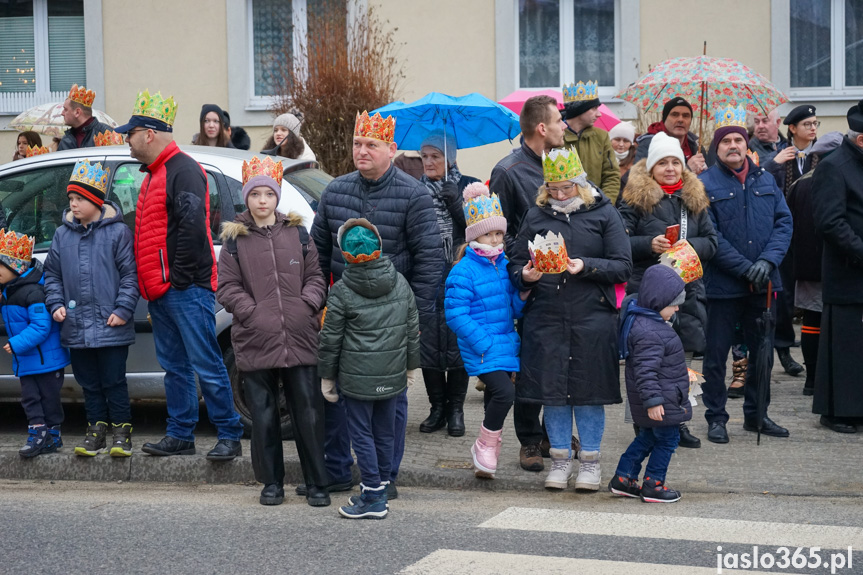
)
(162, 265)
(278, 288)
(41, 358)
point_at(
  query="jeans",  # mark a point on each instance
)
(498, 396)
(184, 331)
(722, 317)
(657, 442)
(101, 373)
(372, 425)
(590, 420)
(40, 398)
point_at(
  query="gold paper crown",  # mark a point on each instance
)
(16, 250)
(36, 150)
(156, 107)
(91, 175)
(108, 138)
(375, 127)
(730, 116)
(548, 253)
(561, 165)
(580, 92)
(82, 95)
(267, 167)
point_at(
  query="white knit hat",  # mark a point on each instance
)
(288, 121)
(663, 146)
(623, 130)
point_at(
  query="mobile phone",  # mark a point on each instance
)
(672, 233)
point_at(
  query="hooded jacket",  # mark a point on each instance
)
(597, 156)
(274, 292)
(94, 266)
(370, 337)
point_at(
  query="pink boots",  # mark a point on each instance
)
(485, 451)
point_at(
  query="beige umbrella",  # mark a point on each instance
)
(48, 119)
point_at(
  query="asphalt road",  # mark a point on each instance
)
(93, 528)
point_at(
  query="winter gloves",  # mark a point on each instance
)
(758, 274)
(328, 388)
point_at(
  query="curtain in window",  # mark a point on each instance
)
(272, 26)
(17, 52)
(853, 43)
(810, 43)
(539, 43)
(594, 41)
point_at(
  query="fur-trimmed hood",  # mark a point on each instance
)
(643, 193)
(240, 225)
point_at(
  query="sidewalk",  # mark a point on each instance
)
(813, 461)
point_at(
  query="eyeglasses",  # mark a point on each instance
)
(131, 133)
(810, 125)
(564, 189)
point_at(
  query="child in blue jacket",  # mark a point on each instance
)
(38, 358)
(481, 307)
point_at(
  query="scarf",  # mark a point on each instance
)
(742, 172)
(485, 250)
(620, 155)
(670, 189)
(626, 321)
(444, 219)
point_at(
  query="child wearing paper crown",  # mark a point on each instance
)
(38, 358)
(370, 342)
(271, 281)
(481, 305)
(657, 385)
(91, 287)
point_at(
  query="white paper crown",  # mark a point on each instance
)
(548, 253)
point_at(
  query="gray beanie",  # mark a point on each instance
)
(436, 140)
(288, 121)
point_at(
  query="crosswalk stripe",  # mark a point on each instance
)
(454, 562)
(678, 528)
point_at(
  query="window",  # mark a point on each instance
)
(564, 41)
(826, 46)
(41, 52)
(34, 201)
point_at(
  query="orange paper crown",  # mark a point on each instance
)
(108, 138)
(375, 127)
(548, 253)
(267, 167)
(82, 95)
(683, 260)
(16, 250)
(36, 150)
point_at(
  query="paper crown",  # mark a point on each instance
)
(108, 138)
(548, 253)
(90, 175)
(266, 167)
(82, 95)
(479, 205)
(561, 165)
(156, 107)
(375, 127)
(16, 250)
(683, 260)
(730, 116)
(580, 92)
(753, 155)
(36, 150)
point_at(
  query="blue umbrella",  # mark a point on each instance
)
(470, 121)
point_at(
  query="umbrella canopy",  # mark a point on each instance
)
(516, 100)
(48, 119)
(720, 82)
(471, 120)
(763, 360)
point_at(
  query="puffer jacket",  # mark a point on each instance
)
(273, 290)
(401, 208)
(752, 222)
(370, 338)
(594, 150)
(33, 335)
(647, 211)
(94, 266)
(481, 306)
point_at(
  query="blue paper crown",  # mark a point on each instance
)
(90, 174)
(480, 208)
(730, 116)
(580, 92)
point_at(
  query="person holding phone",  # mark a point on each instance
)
(664, 204)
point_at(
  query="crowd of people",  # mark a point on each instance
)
(538, 283)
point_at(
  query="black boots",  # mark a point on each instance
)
(435, 383)
(446, 391)
(456, 384)
(687, 439)
(790, 366)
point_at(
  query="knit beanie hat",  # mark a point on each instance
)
(623, 130)
(88, 181)
(724, 131)
(207, 108)
(266, 172)
(671, 104)
(662, 146)
(482, 212)
(436, 140)
(359, 241)
(288, 121)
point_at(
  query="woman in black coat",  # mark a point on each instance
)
(443, 372)
(569, 356)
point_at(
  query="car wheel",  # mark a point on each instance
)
(240, 399)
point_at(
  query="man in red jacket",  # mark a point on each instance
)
(177, 276)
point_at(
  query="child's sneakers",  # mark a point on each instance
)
(94, 440)
(39, 441)
(54, 430)
(654, 491)
(122, 444)
(620, 485)
(372, 504)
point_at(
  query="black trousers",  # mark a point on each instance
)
(785, 304)
(810, 337)
(498, 396)
(101, 373)
(303, 394)
(40, 398)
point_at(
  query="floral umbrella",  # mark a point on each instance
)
(48, 119)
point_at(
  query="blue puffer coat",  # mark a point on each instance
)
(752, 222)
(33, 335)
(93, 266)
(481, 306)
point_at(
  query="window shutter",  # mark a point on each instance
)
(66, 52)
(17, 55)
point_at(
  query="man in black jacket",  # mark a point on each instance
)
(837, 195)
(402, 210)
(78, 114)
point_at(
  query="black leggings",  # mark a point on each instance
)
(498, 397)
(810, 335)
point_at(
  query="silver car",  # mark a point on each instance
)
(33, 195)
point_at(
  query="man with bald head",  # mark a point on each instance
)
(766, 140)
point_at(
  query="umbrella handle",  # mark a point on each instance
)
(769, 294)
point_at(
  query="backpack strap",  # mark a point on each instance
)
(304, 239)
(230, 245)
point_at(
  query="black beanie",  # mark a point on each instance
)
(573, 109)
(207, 108)
(673, 103)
